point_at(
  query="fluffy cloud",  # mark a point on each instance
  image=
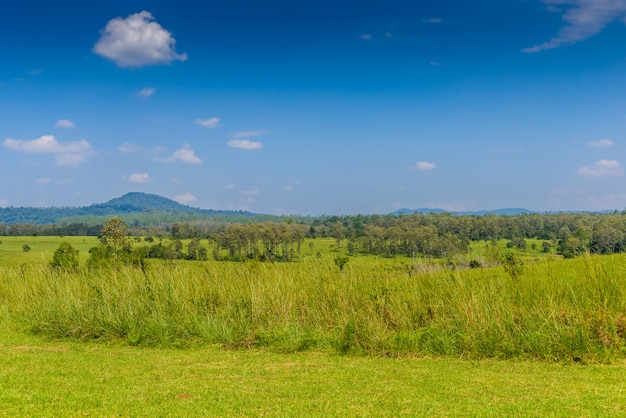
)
(139, 178)
(366, 37)
(209, 123)
(424, 166)
(4, 203)
(137, 41)
(584, 18)
(67, 153)
(184, 155)
(185, 199)
(245, 144)
(602, 143)
(602, 168)
(146, 92)
(64, 123)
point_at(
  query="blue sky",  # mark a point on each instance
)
(313, 107)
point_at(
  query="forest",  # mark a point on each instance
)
(432, 235)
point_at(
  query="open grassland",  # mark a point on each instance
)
(45, 378)
(41, 249)
(558, 310)
(380, 337)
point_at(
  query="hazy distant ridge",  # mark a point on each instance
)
(130, 203)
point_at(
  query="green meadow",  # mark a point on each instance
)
(380, 336)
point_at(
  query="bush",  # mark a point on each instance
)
(26, 248)
(513, 265)
(65, 257)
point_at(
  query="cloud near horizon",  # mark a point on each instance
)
(137, 41)
(185, 199)
(184, 155)
(602, 168)
(66, 153)
(584, 19)
(139, 178)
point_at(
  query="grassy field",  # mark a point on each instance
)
(41, 378)
(379, 337)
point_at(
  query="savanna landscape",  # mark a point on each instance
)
(317, 208)
(403, 314)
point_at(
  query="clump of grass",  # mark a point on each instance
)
(570, 310)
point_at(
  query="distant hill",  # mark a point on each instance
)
(506, 211)
(130, 203)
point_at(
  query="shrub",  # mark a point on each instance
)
(65, 257)
(26, 248)
(513, 264)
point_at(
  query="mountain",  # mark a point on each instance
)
(131, 203)
(506, 211)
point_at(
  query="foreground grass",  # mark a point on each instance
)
(40, 378)
(560, 310)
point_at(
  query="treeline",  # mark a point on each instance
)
(429, 234)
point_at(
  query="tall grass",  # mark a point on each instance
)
(559, 310)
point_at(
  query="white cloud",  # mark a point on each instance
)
(64, 123)
(209, 123)
(424, 166)
(433, 20)
(230, 186)
(567, 192)
(434, 63)
(248, 134)
(602, 168)
(252, 191)
(128, 148)
(584, 18)
(137, 41)
(184, 155)
(366, 37)
(67, 153)
(4, 203)
(293, 185)
(139, 178)
(46, 180)
(146, 92)
(245, 144)
(602, 143)
(185, 199)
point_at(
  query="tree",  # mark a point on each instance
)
(513, 265)
(65, 257)
(115, 233)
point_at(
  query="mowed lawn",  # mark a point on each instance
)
(43, 378)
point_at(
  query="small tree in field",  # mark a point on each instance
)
(513, 265)
(65, 257)
(114, 243)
